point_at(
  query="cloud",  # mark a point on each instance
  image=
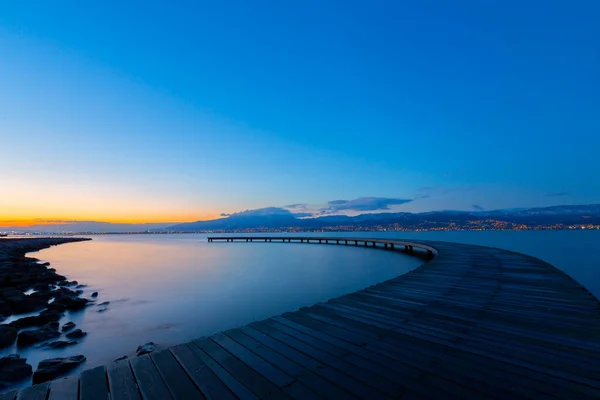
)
(477, 207)
(557, 194)
(362, 204)
(302, 214)
(301, 206)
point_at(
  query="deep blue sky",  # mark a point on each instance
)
(183, 110)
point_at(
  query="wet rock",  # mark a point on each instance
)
(68, 326)
(103, 309)
(145, 348)
(8, 335)
(104, 304)
(72, 283)
(13, 368)
(80, 286)
(120, 358)
(47, 332)
(59, 344)
(54, 367)
(12, 295)
(95, 294)
(29, 304)
(69, 299)
(44, 318)
(5, 310)
(76, 334)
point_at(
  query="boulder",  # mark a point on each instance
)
(103, 309)
(54, 367)
(47, 332)
(95, 294)
(76, 334)
(13, 368)
(59, 344)
(104, 304)
(145, 348)
(44, 318)
(68, 326)
(5, 310)
(8, 335)
(29, 304)
(120, 358)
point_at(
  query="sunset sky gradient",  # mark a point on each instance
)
(148, 112)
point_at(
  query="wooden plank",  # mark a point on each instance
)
(178, 382)
(308, 378)
(93, 384)
(65, 388)
(263, 367)
(122, 382)
(260, 386)
(229, 380)
(381, 380)
(210, 385)
(357, 388)
(36, 392)
(149, 381)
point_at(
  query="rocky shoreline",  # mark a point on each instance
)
(28, 286)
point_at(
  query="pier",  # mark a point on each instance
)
(470, 323)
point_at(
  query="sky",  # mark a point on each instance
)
(132, 112)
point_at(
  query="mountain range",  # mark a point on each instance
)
(279, 218)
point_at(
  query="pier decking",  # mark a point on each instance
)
(473, 323)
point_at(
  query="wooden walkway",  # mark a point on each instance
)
(473, 323)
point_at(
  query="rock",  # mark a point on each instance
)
(103, 309)
(59, 344)
(44, 318)
(69, 299)
(47, 332)
(120, 358)
(5, 310)
(145, 348)
(68, 326)
(95, 294)
(29, 304)
(12, 295)
(76, 334)
(8, 335)
(79, 292)
(104, 304)
(80, 286)
(14, 368)
(53, 367)
(72, 283)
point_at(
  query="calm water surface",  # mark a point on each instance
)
(174, 288)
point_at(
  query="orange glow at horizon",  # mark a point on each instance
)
(28, 221)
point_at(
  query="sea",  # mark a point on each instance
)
(170, 289)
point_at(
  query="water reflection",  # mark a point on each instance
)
(170, 289)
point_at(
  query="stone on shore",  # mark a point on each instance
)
(68, 326)
(13, 368)
(54, 367)
(47, 332)
(59, 344)
(145, 348)
(76, 334)
(95, 294)
(8, 335)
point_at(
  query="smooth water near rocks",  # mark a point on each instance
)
(173, 288)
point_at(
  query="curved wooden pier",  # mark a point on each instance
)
(475, 322)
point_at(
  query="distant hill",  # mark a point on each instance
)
(277, 218)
